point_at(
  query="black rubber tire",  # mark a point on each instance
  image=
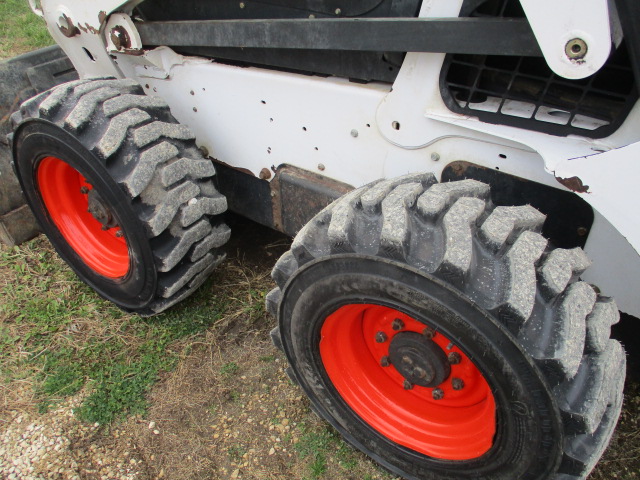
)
(539, 335)
(149, 172)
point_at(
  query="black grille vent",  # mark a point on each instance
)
(524, 92)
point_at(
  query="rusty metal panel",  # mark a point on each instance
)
(301, 195)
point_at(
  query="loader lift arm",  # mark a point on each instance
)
(486, 36)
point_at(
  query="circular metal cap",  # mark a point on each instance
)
(418, 359)
(100, 211)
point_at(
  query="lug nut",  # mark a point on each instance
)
(119, 234)
(384, 361)
(457, 383)
(437, 394)
(454, 358)
(429, 332)
(407, 385)
(381, 337)
(84, 190)
(397, 324)
(407, 360)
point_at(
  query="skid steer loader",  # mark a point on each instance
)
(449, 168)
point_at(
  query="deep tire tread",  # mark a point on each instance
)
(153, 159)
(561, 322)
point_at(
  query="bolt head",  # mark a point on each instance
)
(265, 174)
(384, 361)
(457, 383)
(454, 358)
(354, 133)
(407, 385)
(119, 234)
(435, 156)
(437, 394)
(381, 337)
(84, 190)
(397, 324)
(576, 49)
(429, 332)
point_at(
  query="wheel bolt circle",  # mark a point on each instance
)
(381, 337)
(457, 383)
(397, 324)
(437, 394)
(454, 358)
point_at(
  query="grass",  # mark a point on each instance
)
(56, 334)
(20, 29)
(320, 443)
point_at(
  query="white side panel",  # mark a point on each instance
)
(612, 180)
(616, 265)
(252, 119)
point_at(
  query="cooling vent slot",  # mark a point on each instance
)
(523, 91)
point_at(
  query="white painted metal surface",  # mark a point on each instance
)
(561, 26)
(614, 266)
(87, 47)
(255, 118)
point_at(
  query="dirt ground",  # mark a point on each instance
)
(228, 411)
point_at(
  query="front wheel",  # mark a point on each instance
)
(444, 337)
(121, 190)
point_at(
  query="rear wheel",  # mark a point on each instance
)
(443, 337)
(121, 190)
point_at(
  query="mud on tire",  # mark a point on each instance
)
(150, 178)
(483, 277)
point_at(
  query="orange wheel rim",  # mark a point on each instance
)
(64, 192)
(354, 347)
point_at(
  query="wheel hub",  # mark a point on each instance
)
(419, 359)
(100, 211)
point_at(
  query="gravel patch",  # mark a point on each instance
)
(57, 446)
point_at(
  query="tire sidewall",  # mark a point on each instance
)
(36, 139)
(528, 443)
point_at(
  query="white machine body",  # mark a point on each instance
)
(253, 118)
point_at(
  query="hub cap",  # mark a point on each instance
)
(419, 359)
(83, 218)
(408, 382)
